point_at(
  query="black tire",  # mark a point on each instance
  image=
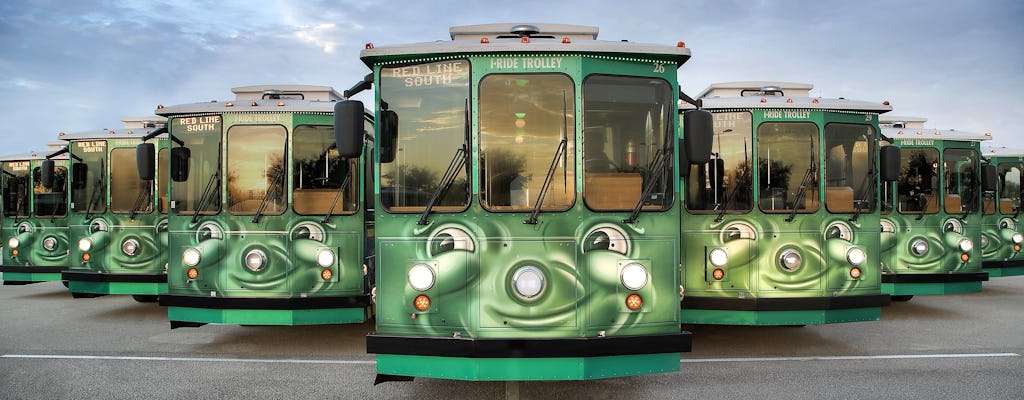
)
(145, 298)
(902, 298)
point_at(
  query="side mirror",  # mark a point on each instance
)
(889, 163)
(698, 130)
(46, 174)
(348, 128)
(684, 161)
(145, 160)
(79, 175)
(179, 163)
(989, 178)
(388, 138)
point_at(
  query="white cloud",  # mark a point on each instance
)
(318, 35)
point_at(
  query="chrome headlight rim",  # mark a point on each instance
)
(718, 257)
(421, 277)
(130, 247)
(791, 260)
(633, 276)
(984, 241)
(49, 243)
(856, 256)
(919, 247)
(84, 244)
(255, 260)
(325, 257)
(191, 256)
(528, 282)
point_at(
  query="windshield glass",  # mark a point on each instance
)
(201, 138)
(430, 102)
(848, 166)
(51, 202)
(16, 187)
(89, 184)
(318, 172)
(625, 127)
(728, 174)
(125, 185)
(960, 167)
(1009, 187)
(161, 175)
(918, 184)
(787, 152)
(255, 166)
(521, 125)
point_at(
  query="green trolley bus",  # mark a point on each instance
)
(781, 225)
(35, 219)
(526, 226)
(929, 233)
(1002, 234)
(117, 227)
(266, 221)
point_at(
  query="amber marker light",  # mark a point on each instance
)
(964, 257)
(1016, 247)
(86, 257)
(421, 302)
(634, 301)
(14, 252)
(369, 46)
(681, 44)
(484, 40)
(526, 39)
(855, 273)
(326, 274)
(192, 273)
(718, 274)
(566, 40)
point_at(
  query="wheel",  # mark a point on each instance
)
(905, 297)
(145, 298)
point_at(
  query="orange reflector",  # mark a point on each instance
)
(634, 301)
(855, 273)
(192, 273)
(1016, 247)
(326, 274)
(964, 257)
(422, 302)
(14, 252)
(86, 256)
(718, 274)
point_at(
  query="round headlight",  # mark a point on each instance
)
(790, 260)
(50, 243)
(421, 277)
(856, 256)
(966, 245)
(190, 256)
(85, 244)
(919, 247)
(634, 276)
(13, 243)
(325, 257)
(529, 281)
(130, 247)
(255, 260)
(718, 257)
(1017, 238)
(984, 241)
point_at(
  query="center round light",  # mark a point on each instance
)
(718, 257)
(790, 260)
(255, 260)
(325, 257)
(856, 256)
(919, 247)
(421, 277)
(634, 276)
(49, 243)
(984, 241)
(130, 247)
(190, 256)
(528, 281)
(85, 244)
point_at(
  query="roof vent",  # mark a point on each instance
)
(899, 124)
(524, 30)
(272, 94)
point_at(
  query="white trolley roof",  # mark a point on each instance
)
(777, 95)
(264, 98)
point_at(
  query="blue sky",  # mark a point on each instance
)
(75, 66)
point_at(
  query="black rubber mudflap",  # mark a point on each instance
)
(186, 324)
(381, 378)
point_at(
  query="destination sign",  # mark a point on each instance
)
(259, 119)
(95, 146)
(916, 142)
(432, 74)
(202, 124)
(18, 165)
(526, 63)
(788, 114)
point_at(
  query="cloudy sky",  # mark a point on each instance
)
(83, 65)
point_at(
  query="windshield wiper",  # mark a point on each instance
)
(277, 181)
(337, 198)
(459, 161)
(971, 204)
(211, 185)
(559, 154)
(922, 203)
(100, 188)
(743, 181)
(143, 193)
(808, 179)
(859, 205)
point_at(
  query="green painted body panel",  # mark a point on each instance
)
(526, 369)
(31, 231)
(998, 228)
(267, 317)
(105, 255)
(291, 269)
(803, 317)
(31, 277)
(753, 270)
(944, 256)
(133, 288)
